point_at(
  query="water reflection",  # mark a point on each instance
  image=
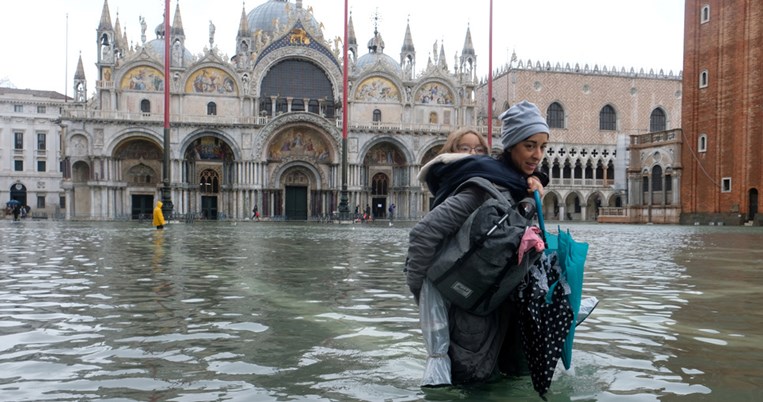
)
(260, 311)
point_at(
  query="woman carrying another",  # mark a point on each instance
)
(480, 347)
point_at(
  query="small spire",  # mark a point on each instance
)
(119, 37)
(408, 39)
(441, 59)
(80, 73)
(468, 45)
(177, 23)
(105, 24)
(243, 26)
(351, 32)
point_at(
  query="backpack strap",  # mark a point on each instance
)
(489, 187)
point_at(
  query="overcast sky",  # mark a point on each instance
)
(644, 34)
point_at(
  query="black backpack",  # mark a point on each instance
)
(476, 268)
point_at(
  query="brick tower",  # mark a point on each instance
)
(722, 112)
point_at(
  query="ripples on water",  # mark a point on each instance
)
(261, 311)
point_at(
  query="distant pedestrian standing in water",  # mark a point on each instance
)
(255, 213)
(159, 221)
(16, 212)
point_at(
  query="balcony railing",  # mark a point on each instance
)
(159, 117)
(656, 137)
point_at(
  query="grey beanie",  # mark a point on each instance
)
(521, 122)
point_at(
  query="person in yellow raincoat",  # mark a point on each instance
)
(159, 221)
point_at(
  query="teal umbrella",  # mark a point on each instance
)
(572, 255)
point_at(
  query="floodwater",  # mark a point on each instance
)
(259, 311)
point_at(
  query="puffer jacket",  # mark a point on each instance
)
(476, 342)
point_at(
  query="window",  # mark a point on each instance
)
(41, 109)
(702, 143)
(657, 121)
(211, 109)
(62, 202)
(41, 166)
(266, 107)
(657, 178)
(18, 108)
(145, 106)
(555, 115)
(18, 166)
(703, 79)
(726, 185)
(42, 141)
(607, 118)
(297, 105)
(40, 201)
(377, 116)
(282, 105)
(705, 14)
(18, 140)
(313, 106)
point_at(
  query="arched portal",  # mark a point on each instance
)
(140, 160)
(385, 171)
(572, 207)
(379, 192)
(18, 193)
(297, 182)
(208, 170)
(300, 162)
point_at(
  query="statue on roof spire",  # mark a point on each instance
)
(211, 34)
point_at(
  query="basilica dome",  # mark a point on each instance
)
(156, 48)
(376, 56)
(264, 15)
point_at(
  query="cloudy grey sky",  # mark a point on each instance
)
(644, 34)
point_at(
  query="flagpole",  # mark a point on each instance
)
(66, 62)
(166, 200)
(490, 81)
(344, 209)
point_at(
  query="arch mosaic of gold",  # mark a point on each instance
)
(300, 143)
(211, 80)
(377, 89)
(143, 78)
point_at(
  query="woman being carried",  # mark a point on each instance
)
(480, 347)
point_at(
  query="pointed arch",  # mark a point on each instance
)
(657, 120)
(607, 118)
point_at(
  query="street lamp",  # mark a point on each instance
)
(344, 208)
(166, 200)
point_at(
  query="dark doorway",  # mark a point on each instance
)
(18, 193)
(209, 207)
(379, 207)
(142, 206)
(753, 203)
(296, 203)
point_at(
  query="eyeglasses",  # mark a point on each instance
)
(479, 149)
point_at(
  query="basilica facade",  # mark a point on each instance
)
(263, 127)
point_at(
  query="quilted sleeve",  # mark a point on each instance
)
(428, 234)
